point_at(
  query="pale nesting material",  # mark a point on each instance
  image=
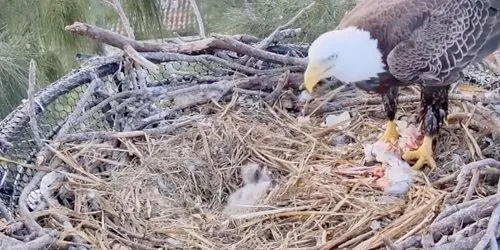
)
(303, 119)
(304, 96)
(334, 120)
(257, 182)
(398, 175)
(35, 197)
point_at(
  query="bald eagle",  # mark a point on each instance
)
(383, 44)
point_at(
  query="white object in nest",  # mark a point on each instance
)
(35, 198)
(304, 96)
(398, 175)
(257, 183)
(334, 120)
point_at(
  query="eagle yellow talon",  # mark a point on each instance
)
(423, 155)
(391, 133)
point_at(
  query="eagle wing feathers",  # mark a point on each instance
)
(451, 37)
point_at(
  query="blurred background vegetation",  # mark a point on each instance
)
(35, 29)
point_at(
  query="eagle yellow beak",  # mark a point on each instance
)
(312, 76)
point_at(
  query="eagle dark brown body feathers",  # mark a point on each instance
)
(426, 42)
(429, 41)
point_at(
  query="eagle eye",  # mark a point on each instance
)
(331, 57)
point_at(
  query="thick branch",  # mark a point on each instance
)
(219, 42)
(481, 209)
(105, 135)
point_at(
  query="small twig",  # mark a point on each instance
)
(268, 40)
(127, 44)
(165, 56)
(71, 121)
(463, 243)
(229, 43)
(282, 82)
(23, 207)
(389, 244)
(5, 212)
(412, 241)
(199, 19)
(7, 242)
(42, 242)
(490, 231)
(481, 209)
(105, 135)
(116, 4)
(454, 208)
(139, 59)
(402, 99)
(31, 92)
(465, 170)
(464, 232)
(472, 185)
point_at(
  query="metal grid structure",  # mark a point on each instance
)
(177, 16)
(57, 101)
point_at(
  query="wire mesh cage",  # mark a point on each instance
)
(109, 95)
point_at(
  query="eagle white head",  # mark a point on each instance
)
(350, 55)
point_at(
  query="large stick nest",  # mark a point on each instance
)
(162, 172)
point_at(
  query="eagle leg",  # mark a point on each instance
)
(434, 108)
(389, 100)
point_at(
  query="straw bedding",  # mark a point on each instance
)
(253, 137)
(169, 191)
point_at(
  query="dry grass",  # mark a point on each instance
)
(169, 191)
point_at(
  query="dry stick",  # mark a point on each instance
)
(454, 208)
(282, 82)
(199, 20)
(40, 243)
(132, 53)
(229, 43)
(127, 242)
(62, 218)
(472, 185)
(77, 112)
(389, 244)
(268, 40)
(490, 231)
(495, 120)
(165, 56)
(30, 223)
(70, 122)
(115, 39)
(464, 232)
(7, 242)
(143, 236)
(461, 244)
(31, 92)
(219, 42)
(5, 212)
(404, 99)
(105, 135)
(116, 4)
(481, 209)
(465, 170)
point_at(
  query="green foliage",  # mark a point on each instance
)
(14, 57)
(261, 17)
(145, 18)
(35, 29)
